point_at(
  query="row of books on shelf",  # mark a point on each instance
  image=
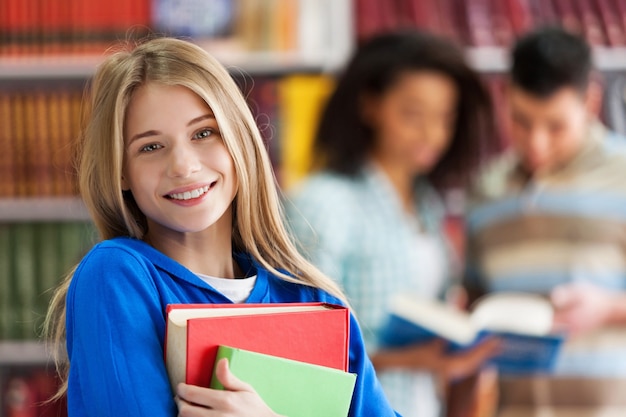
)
(38, 129)
(65, 26)
(84, 26)
(34, 258)
(496, 22)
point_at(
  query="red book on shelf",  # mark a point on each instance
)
(390, 15)
(609, 17)
(316, 333)
(18, 399)
(591, 24)
(17, 24)
(520, 15)
(620, 6)
(449, 24)
(567, 15)
(366, 23)
(501, 23)
(478, 14)
(543, 12)
(422, 14)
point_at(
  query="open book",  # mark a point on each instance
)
(522, 321)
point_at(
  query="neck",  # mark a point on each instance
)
(401, 180)
(208, 252)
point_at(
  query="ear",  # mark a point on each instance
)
(593, 97)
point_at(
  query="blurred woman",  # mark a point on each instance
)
(407, 118)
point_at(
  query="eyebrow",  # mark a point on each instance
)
(148, 133)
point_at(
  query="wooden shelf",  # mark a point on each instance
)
(610, 59)
(496, 59)
(82, 67)
(48, 67)
(484, 59)
(24, 353)
(42, 209)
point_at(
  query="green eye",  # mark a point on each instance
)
(203, 134)
(150, 148)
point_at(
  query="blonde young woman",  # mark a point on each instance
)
(177, 180)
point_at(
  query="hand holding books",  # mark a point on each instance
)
(293, 355)
(243, 399)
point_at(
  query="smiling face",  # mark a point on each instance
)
(176, 165)
(414, 121)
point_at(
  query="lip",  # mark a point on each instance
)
(208, 186)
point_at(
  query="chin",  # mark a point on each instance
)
(422, 168)
(535, 168)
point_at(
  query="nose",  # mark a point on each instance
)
(183, 161)
(537, 144)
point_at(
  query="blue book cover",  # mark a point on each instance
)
(521, 321)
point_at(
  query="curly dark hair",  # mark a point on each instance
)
(343, 140)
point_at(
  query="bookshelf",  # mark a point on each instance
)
(49, 226)
(325, 39)
(486, 59)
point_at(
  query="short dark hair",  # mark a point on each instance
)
(343, 140)
(551, 58)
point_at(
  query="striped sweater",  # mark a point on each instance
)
(532, 234)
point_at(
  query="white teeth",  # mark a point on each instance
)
(188, 195)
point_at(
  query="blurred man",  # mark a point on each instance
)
(550, 218)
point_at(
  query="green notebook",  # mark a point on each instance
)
(291, 388)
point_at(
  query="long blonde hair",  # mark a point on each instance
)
(258, 227)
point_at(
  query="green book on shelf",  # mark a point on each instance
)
(291, 388)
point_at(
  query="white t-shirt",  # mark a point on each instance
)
(236, 290)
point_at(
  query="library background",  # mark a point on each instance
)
(283, 53)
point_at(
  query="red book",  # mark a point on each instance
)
(610, 20)
(391, 16)
(18, 399)
(591, 24)
(544, 12)
(620, 6)
(367, 18)
(520, 16)
(447, 17)
(501, 23)
(567, 15)
(478, 15)
(316, 333)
